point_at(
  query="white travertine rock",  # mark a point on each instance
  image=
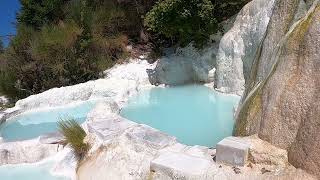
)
(28, 151)
(122, 149)
(109, 127)
(239, 45)
(51, 138)
(233, 151)
(186, 65)
(65, 163)
(150, 136)
(125, 157)
(178, 163)
(103, 110)
(121, 82)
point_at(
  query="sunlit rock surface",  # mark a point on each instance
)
(281, 104)
(103, 110)
(122, 149)
(127, 156)
(282, 18)
(121, 81)
(238, 47)
(29, 151)
(283, 99)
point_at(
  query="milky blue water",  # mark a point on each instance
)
(28, 172)
(195, 114)
(33, 124)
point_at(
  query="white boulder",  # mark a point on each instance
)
(233, 151)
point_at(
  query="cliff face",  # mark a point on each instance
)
(239, 45)
(281, 102)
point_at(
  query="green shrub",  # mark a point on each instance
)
(74, 46)
(183, 20)
(57, 55)
(36, 13)
(74, 136)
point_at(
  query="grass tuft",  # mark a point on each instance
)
(74, 135)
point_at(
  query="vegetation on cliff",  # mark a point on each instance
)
(66, 42)
(185, 21)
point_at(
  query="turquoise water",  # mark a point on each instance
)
(28, 172)
(194, 114)
(33, 124)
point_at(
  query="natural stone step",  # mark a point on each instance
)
(232, 150)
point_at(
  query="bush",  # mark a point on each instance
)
(183, 20)
(74, 46)
(74, 136)
(36, 13)
(186, 21)
(58, 55)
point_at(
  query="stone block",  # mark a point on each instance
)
(233, 151)
(179, 163)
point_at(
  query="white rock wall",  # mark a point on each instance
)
(239, 45)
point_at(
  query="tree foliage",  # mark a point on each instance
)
(36, 13)
(186, 20)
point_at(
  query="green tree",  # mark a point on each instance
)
(36, 13)
(184, 20)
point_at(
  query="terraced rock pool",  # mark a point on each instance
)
(32, 124)
(28, 172)
(195, 114)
